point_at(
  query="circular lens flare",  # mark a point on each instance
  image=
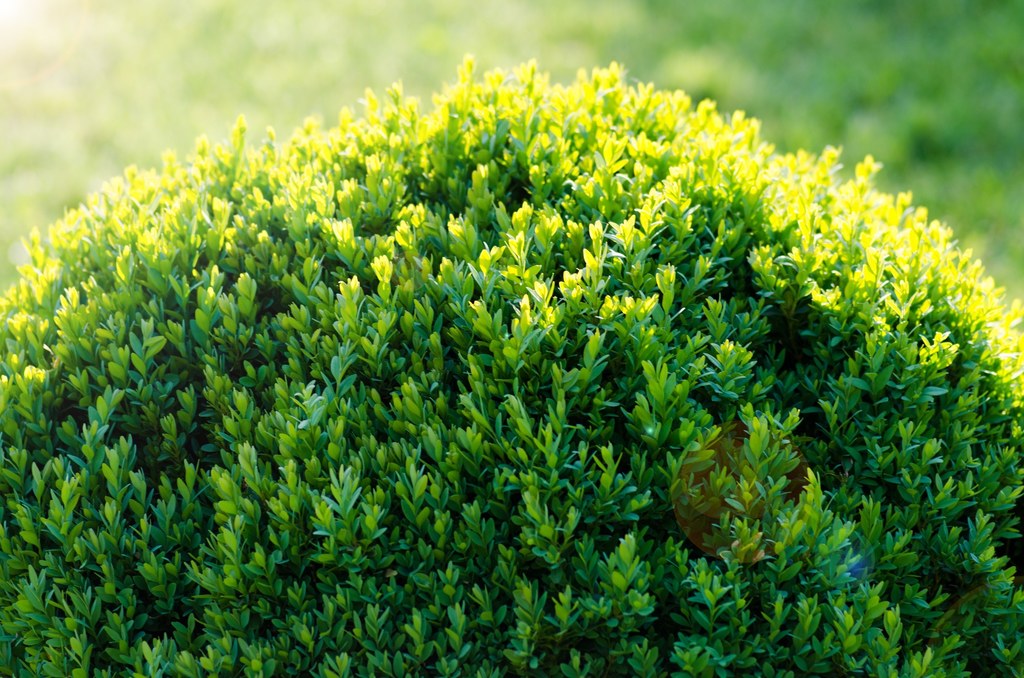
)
(720, 497)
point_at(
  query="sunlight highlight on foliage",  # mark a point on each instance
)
(536, 380)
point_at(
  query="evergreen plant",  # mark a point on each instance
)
(542, 380)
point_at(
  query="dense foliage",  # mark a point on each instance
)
(546, 380)
(933, 90)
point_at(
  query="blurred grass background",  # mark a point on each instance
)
(934, 90)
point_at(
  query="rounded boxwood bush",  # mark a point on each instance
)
(545, 380)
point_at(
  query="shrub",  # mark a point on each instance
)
(547, 380)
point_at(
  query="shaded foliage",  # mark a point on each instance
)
(548, 380)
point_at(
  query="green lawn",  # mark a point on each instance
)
(933, 90)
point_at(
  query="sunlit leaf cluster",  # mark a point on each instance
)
(534, 380)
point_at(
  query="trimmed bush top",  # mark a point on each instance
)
(546, 380)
